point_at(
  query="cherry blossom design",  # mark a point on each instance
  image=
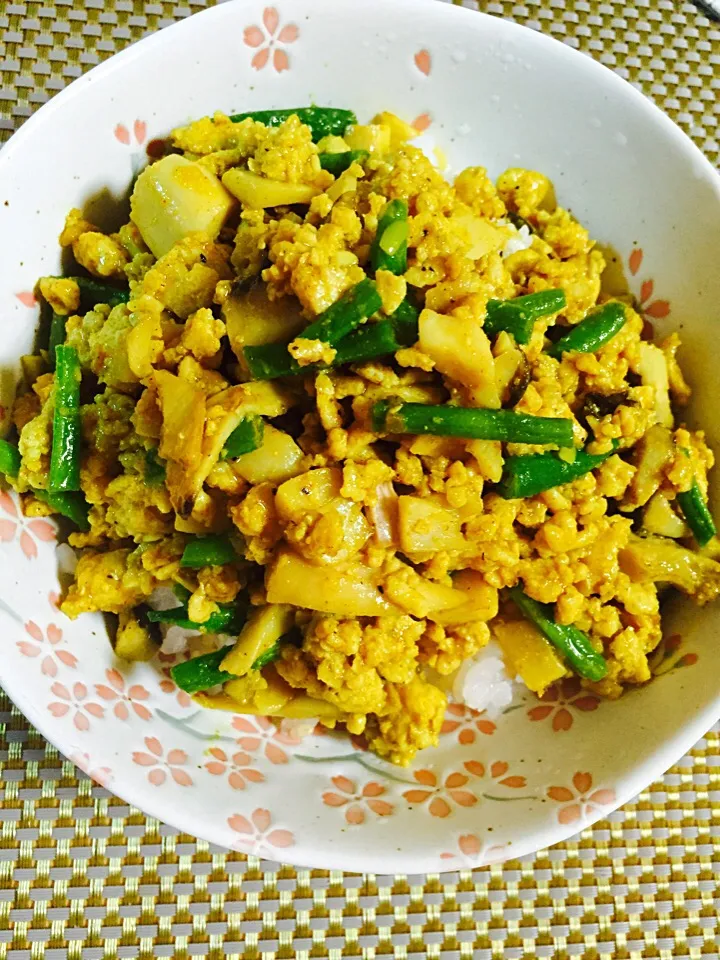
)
(168, 685)
(162, 763)
(265, 40)
(356, 799)
(422, 122)
(581, 803)
(439, 795)
(54, 600)
(498, 772)
(46, 646)
(471, 852)
(125, 136)
(28, 530)
(123, 700)
(255, 833)
(75, 701)
(423, 61)
(560, 700)
(466, 723)
(236, 766)
(101, 775)
(260, 735)
(657, 309)
(27, 298)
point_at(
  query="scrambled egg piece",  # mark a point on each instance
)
(110, 582)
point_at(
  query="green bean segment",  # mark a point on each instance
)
(10, 459)
(389, 248)
(529, 475)
(593, 332)
(471, 423)
(337, 163)
(323, 121)
(201, 673)
(696, 513)
(574, 645)
(246, 437)
(518, 316)
(66, 436)
(212, 551)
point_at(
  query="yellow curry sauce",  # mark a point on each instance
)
(387, 556)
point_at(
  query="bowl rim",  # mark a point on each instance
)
(635, 779)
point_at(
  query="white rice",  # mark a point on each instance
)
(483, 683)
(297, 727)
(521, 240)
(175, 639)
(163, 598)
(66, 559)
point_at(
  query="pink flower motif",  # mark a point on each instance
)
(498, 772)
(139, 130)
(27, 298)
(260, 735)
(101, 775)
(255, 833)
(162, 765)
(75, 701)
(46, 646)
(265, 39)
(124, 700)
(355, 800)
(581, 803)
(54, 600)
(43, 530)
(237, 767)
(560, 700)
(422, 122)
(657, 309)
(168, 685)
(423, 61)
(466, 723)
(441, 795)
(471, 852)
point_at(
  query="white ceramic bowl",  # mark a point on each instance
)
(490, 93)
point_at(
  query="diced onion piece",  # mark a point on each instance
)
(276, 460)
(653, 370)
(427, 527)
(383, 514)
(660, 518)
(460, 349)
(257, 192)
(308, 492)
(264, 627)
(348, 593)
(252, 319)
(481, 600)
(484, 236)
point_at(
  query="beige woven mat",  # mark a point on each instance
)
(82, 875)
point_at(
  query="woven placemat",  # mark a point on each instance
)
(83, 875)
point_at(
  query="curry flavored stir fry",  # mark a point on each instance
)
(338, 425)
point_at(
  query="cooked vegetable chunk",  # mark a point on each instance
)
(175, 197)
